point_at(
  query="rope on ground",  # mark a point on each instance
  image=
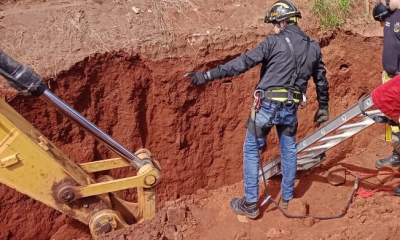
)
(356, 191)
(365, 193)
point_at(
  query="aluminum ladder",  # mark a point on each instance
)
(311, 150)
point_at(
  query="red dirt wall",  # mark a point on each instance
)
(195, 133)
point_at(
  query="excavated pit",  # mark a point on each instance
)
(195, 133)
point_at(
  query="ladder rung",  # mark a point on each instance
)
(377, 112)
(309, 155)
(339, 136)
(365, 122)
(309, 161)
(323, 146)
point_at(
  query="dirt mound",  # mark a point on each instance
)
(207, 216)
(124, 72)
(174, 221)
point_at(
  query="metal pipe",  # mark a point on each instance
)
(89, 127)
(28, 82)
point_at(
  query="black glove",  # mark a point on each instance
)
(322, 115)
(198, 78)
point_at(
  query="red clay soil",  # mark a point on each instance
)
(124, 72)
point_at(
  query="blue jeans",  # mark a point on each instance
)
(282, 117)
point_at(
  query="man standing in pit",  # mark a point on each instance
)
(289, 59)
(388, 14)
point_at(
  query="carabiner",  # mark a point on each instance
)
(259, 95)
(289, 104)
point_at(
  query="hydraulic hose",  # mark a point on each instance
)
(288, 215)
(28, 82)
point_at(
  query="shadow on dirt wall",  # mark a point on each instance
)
(195, 133)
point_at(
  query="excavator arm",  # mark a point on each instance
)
(32, 165)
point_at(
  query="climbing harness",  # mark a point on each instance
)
(290, 88)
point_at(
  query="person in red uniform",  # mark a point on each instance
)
(386, 98)
(387, 12)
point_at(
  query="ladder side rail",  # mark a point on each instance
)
(334, 124)
(273, 167)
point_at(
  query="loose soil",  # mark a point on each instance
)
(124, 72)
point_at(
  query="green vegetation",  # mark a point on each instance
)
(331, 13)
(344, 5)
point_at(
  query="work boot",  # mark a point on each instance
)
(397, 191)
(396, 142)
(243, 207)
(392, 160)
(285, 204)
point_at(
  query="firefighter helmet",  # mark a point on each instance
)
(282, 10)
(380, 12)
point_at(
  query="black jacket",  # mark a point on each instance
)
(391, 44)
(277, 63)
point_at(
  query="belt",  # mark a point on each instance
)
(281, 95)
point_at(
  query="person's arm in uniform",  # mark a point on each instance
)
(242, 63)
(321, 83)
(234, 67)
(322, 87)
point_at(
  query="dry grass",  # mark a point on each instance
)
(166, 24)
